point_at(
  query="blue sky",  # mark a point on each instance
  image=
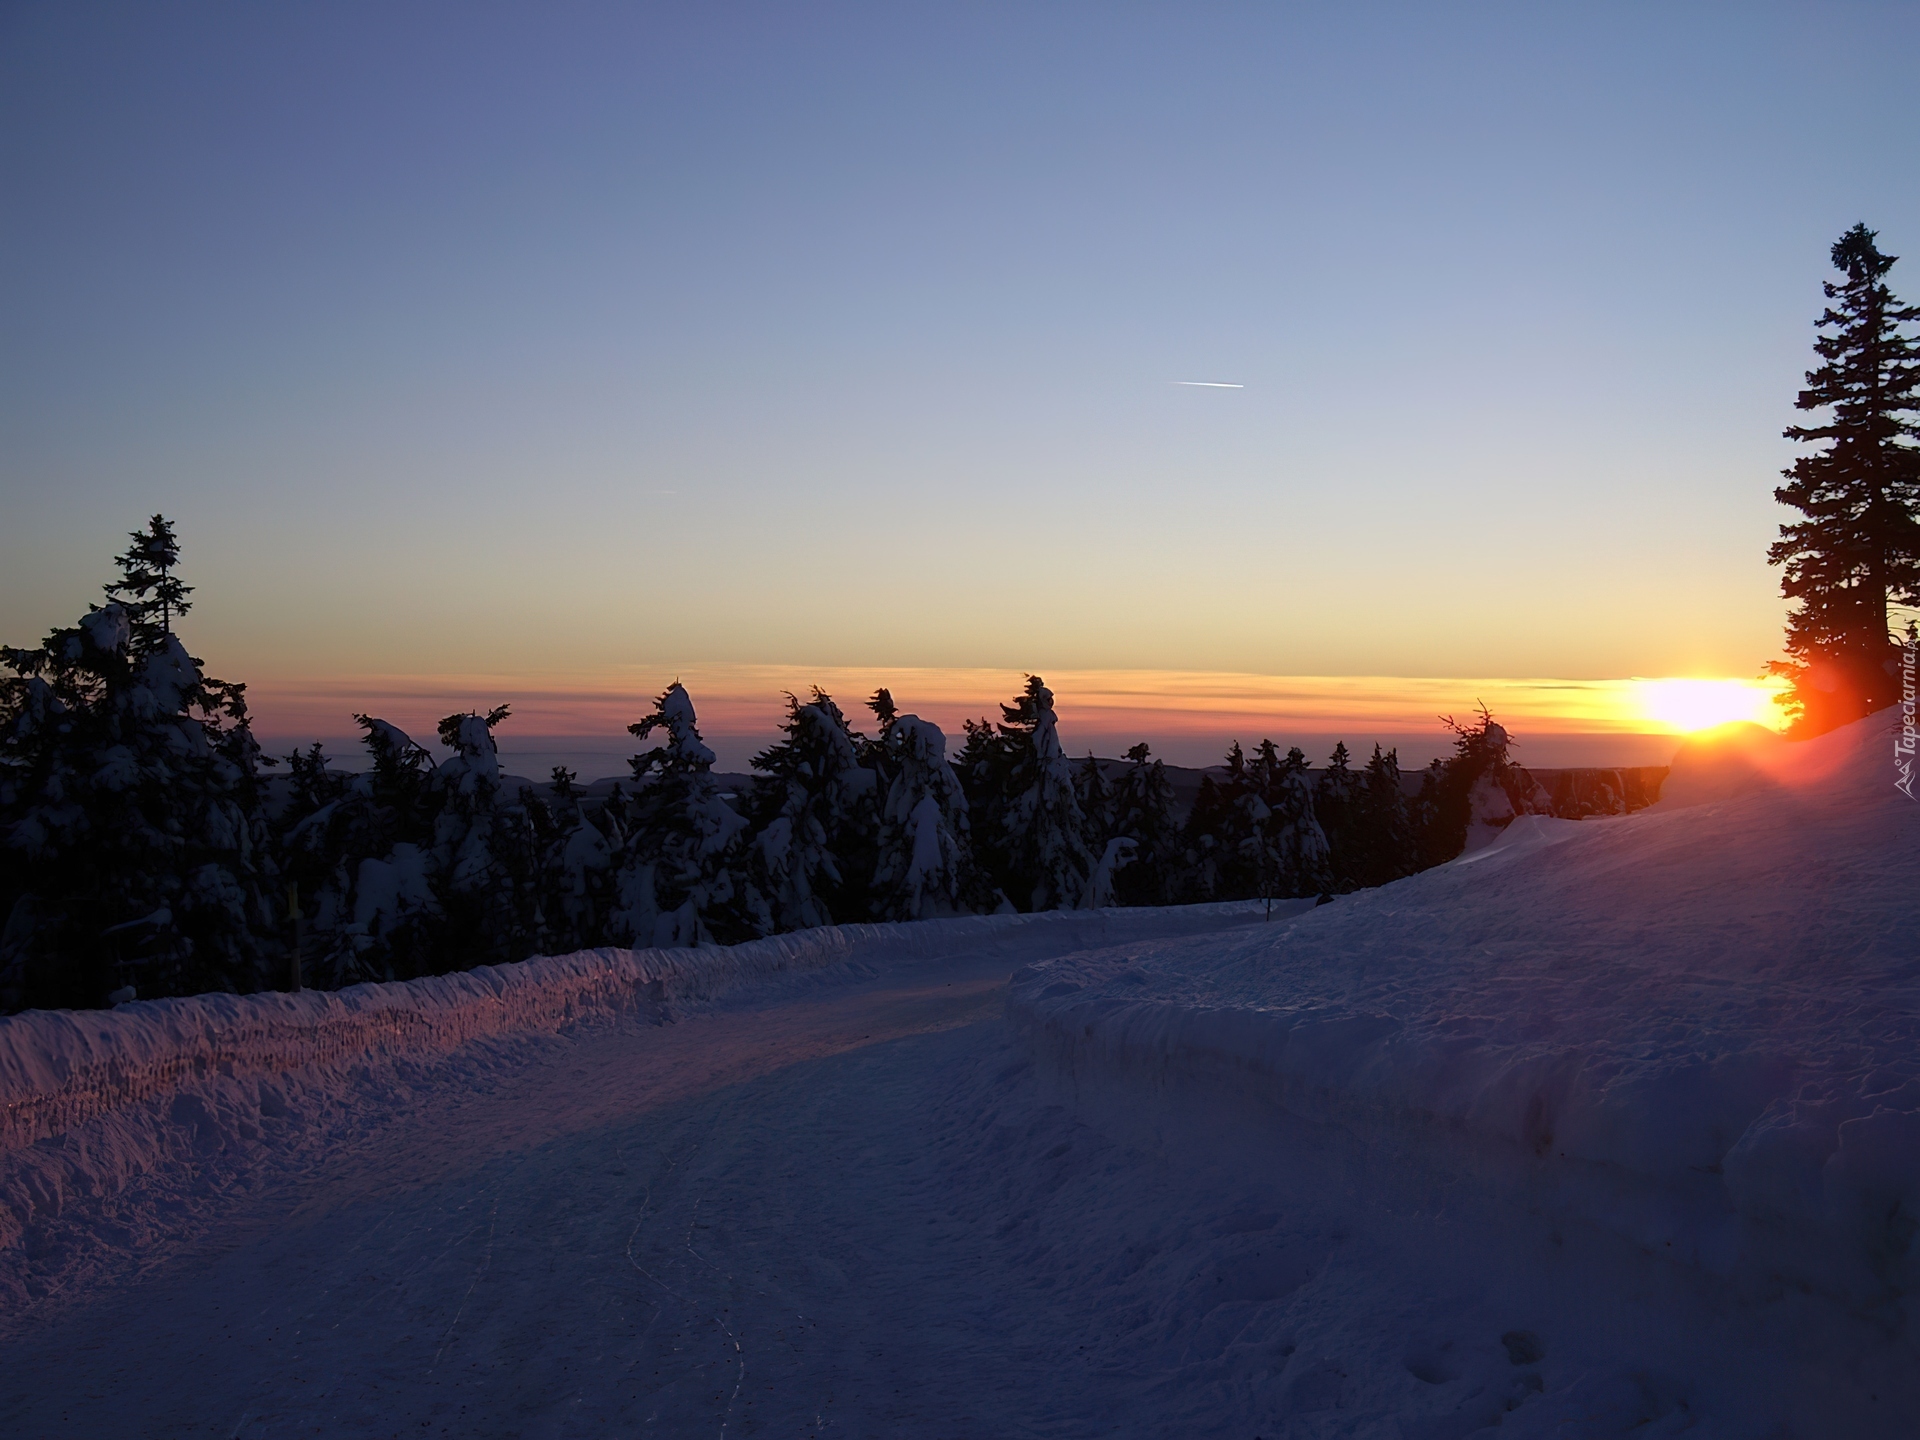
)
(546, 341)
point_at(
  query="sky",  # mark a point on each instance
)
(551, 353)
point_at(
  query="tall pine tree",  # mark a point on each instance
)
(153, 594)
(134, 849)
(1858, 549)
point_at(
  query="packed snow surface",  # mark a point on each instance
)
(1608, 1129)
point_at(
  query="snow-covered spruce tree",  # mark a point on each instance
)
(152, 595)
(877, 755)
(306, 836)
(925, 868)
(1112, 851)
(1430, 837)
(1384, 846)
(815, 816)
(1254, 872)
(1290, 849)
(359, 851)
(1472, 795)
(1225, 835)
(1335, 805)
(484, 862)
(133, 844)
(544, 817)
(1859, 546)
(1042, 832)
(679, 880)
(1095, 797)
(409, 868)
(1211, 861)
(575, 883)
(1143, 813)
(873, 753)
(985, 767)
(615, 818)
(1303, 851)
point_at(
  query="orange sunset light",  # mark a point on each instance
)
(736, 698)
(1686, 705)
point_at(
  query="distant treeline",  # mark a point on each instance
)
(147, 849)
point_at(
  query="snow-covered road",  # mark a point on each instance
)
(848, 1213)
(691, 1227)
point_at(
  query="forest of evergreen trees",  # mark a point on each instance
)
(151, 849)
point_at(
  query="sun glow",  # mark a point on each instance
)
(1689, 705)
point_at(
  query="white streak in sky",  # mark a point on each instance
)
(1211, 384)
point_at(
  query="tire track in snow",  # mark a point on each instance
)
(685, 1300)
(486, 1259)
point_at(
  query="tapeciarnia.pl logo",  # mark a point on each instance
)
(1903, 743)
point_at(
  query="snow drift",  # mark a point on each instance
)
(1695, 1030)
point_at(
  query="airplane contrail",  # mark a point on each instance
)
(1212, 384)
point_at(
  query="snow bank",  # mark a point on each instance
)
(105, 1077)
(1523, 834)
(1695, 1028)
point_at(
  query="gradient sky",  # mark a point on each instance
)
(573, 347)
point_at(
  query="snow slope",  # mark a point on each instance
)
(1689, 1036)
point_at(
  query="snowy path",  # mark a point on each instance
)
(585, 1246)
(845, 1214)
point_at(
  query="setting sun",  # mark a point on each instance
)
(1687, 705)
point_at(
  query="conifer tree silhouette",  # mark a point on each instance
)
(1858, 549)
